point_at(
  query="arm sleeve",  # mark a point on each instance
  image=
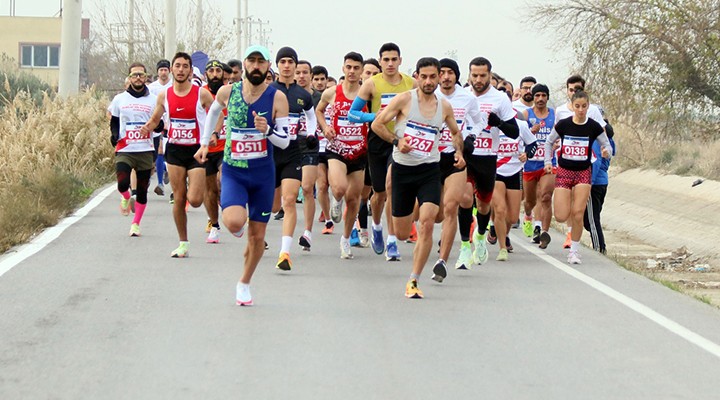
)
(549, 145)
(160, 127)
(311, 121)
(609, 130)
(529, 139)
(510, 128)
(279, 137)
(212, 119)
(356, 114)
(605, 144)
(114, 130)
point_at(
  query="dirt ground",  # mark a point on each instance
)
(663, 227)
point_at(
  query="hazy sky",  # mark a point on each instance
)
(500, 32)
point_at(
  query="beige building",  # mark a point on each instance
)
(34, 43)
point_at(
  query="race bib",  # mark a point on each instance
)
(223, 132)
(539, 152)
(133, 134)
(420, 137)
(446, 137)
(247, 144)
(349, 132)
(575, 148)
(508, 147)
(294, 124)
(183, 132)
(385, 99)
(483, 146)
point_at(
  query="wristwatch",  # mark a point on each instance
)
(395, 142)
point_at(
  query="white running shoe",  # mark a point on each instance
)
(480, 255)
(213, 236)
(242, 295)
(345, 249)
(574, 258)
(465, 259)
(336, 210)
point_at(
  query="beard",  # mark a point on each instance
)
(428, 89)
(255, 77)
(215, 84)
(481, 87)
(528, 97)
(138, 88)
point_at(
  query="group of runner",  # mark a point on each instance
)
(247, 141)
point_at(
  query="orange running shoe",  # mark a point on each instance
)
(284, 262)
(413, 235)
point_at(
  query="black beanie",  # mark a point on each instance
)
(450, 63)
(163, 64)
(286, 52)
(540, 88)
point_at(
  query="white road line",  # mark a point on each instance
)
(47, 236)
(647, 312)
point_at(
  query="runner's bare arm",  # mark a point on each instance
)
(393, 110)
(328, 97)
(156, 116)
(449, 117)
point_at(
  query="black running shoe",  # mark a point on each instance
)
(544, 240)
(492, 237)
(536, 235)
(439, 271)
(508, 245)
(280, 215)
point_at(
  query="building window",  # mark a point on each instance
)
(39, 55)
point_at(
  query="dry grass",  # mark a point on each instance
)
(691, 157)
(52, 157)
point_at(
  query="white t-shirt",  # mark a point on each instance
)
(508, 161)
(133, 114)
(157, 87)
(467, 116)
(496, 102)
(562, 112)
(519, 105)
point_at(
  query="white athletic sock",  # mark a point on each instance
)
(285, 244)
(575, 246)
(343, 239)
(569, 229)
(308, 234)
(538, 224)
(377, 227)
(392, 239)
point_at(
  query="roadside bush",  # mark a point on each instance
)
(53, 154)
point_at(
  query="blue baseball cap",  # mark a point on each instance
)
(262, 50)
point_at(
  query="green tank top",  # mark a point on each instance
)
(237, 110)
(384, 92)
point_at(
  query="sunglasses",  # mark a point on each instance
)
(138, 75)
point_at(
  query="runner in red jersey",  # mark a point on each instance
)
(185, 105)
(347, 146)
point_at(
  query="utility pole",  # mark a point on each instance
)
(170, 30)
(239, 48)
(131, 31)
(198, 25)
(70, 48)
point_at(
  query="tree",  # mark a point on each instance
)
(106, 53)
(654, 62)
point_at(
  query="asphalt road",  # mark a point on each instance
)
(96, 314)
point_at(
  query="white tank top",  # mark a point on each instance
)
(421, 133)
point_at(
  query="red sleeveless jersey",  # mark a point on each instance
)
(182, 111)
(350, 138)
(220, 146)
